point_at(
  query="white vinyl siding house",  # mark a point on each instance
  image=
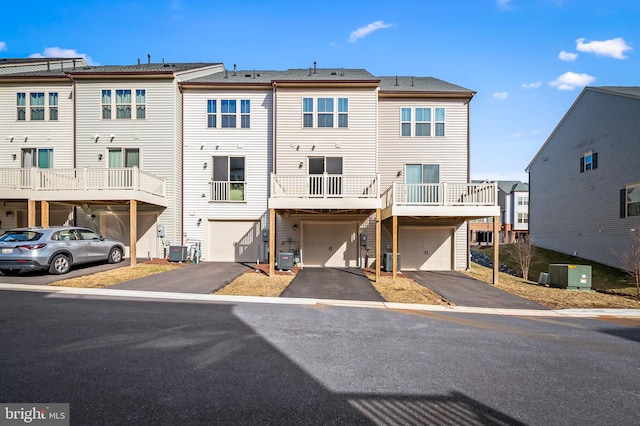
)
(574, 209)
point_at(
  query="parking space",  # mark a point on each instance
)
(44, 278)
(332, 283)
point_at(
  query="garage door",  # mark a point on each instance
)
(425, 249)
(233, 241)
(329, 244)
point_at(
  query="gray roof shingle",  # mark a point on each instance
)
(419, 84)
(625, 90)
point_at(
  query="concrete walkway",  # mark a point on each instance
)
(461, 290)
(332, 283)
(200, 278)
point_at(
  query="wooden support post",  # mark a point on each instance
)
(31, 213)
(395, 247)
(272, 241)
(378, 232)
(496, 249)
(44, 213)
(133, 230)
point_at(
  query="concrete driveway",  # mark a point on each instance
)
(462, 290)
(332, 283)
(202, 278)
(44, 278)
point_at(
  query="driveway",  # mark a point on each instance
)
(462, 290)
(332, 283)
(202, 278)
(44, 278)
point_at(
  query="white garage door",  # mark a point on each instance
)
(425, 249)
(233, 241)
(330, 244)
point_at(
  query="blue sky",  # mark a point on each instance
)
(527, 59)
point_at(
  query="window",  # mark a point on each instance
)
(106, 104)
(123, 157)
(422, 121)
(326, 114)
(53, 106)
(228, 181)
(211, 113)
(523, 201)
(307, 112)
(318, 166)
(228, 107)
(523, 217)
(589, 162)
(343, 112)
(245, 113)
(141, 103)
(37, 157)
(422, 183)
(123, 104)
(36, 102)
(630, 201)
(21, 102)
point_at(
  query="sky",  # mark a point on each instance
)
(527, 60)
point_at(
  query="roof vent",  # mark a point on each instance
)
(48, 69)
(315, 71)
(234, 70)
(226, 73)
(309, 71)
(148, 59)
(412, 80)
(138, 61)
(334, 73)
(342, 71)
(247, 75)
(396, 80)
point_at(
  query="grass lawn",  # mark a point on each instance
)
(603, 277)
(115, 276)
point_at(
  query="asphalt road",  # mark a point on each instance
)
(130, 362)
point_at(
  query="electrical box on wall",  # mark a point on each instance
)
(161, 233)
(265, 235)
(363, 239)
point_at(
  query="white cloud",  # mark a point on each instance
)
(614, 48)
(567, 56)
(57, 52)
(365, 31)
(501, 96)
(533, 85)
(3, 46)
(571, 80)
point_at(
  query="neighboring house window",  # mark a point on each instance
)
(325, 112)
(141, 103)
(106, 104)
(630, 201)
(53, 106)
(228, 107)
(589, 162)
(245, 114)
(21, 102)
(523, 217)
(343, 112)
(36, 103)
(422, 121)
(37, 157)
(211, 113)
(307, 112)
(123, 104)
(228, 182)
(523, 201)
(123, 157)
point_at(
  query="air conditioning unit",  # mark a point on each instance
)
(285, 261)
(387, 262)
(177, 253)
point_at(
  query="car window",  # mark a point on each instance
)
(11, 236)
(65, 235)
(88, 235)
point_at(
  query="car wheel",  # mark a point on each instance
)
(115, 255)
(60, 264)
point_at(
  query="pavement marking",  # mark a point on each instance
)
(106, 292)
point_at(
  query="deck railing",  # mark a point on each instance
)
(441, 194)
(325, 186)
(79, 179)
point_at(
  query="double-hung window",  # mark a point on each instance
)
(21, 104)
(212, 109)
(106, 104)
(245, 113)
(228, 107)
(343, 112)
(523, 201)
(228, 180)
(325, 112)
(405, 121)
(123, 103)
(53, 106)
(36, 102)
(589, 161)
(141, 103)
(523, 217)
(422, 122)
(630, 201)
(322, 112)
(127, 103)
(307, 112)
(439, 124)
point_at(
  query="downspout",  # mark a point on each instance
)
(73, 93)
(181, 164)
(275, 125)
(469, 180)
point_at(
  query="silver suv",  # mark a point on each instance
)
(55, 249)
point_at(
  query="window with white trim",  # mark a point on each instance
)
(36, 157)
(422, 122)
(630, 201)
(589, 161)
(53, 106)
(41, 106)
(21, 105)
(36, 104)
(212, 113)
(228, 110)
(523, 200)
(322, 113)
(141, 103)
(523, 217)
(124, 102)
(228, 179)
(245, 113)
(228, 115)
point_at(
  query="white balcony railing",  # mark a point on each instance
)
(440, 194)
(325, 186)
(231, 192)
(82, 179)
